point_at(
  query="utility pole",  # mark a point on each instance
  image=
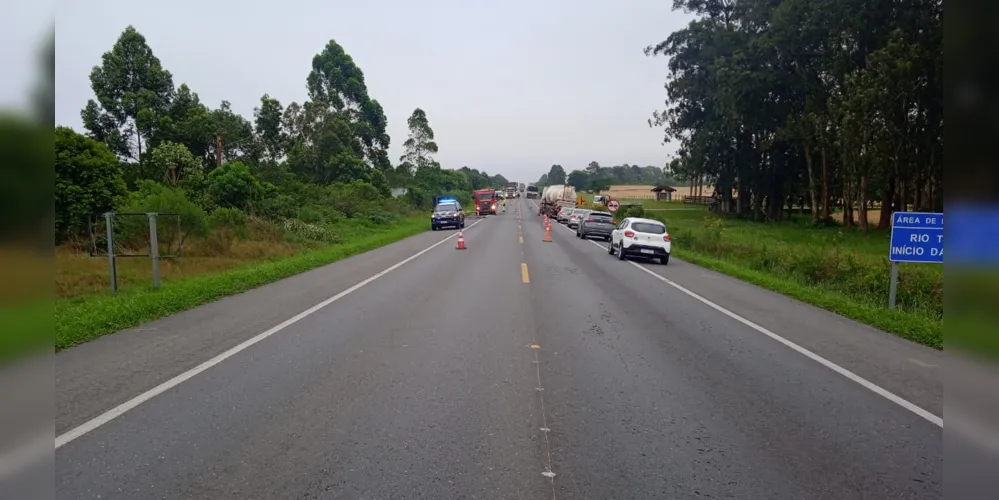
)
(218, 150)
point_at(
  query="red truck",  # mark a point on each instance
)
(485, 201)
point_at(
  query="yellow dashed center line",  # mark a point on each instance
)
(523, 273)
(521, 238)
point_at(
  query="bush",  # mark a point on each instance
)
(310, 232)
(133, 231)
(354, 199)
(88, 181)
(311, 215)
(630, 211)
(233, 185)
(279, 206)
(227, 225)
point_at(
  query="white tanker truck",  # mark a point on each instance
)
(555, 197)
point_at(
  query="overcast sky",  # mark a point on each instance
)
(509, 87)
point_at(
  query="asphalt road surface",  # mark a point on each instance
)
(515, 369)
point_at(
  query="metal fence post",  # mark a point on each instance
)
(893, 286)
(109, 219)
(154, 250)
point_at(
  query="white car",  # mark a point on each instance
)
(640, 238)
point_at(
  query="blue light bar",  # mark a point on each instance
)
(445, 200)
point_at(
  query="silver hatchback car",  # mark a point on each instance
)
(575, 216)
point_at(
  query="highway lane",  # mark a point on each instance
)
(419, 385)
(689, 400)
(424, 384)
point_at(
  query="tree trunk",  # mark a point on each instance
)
(862, 201)
(825, 185)
(887, 204)
(811, 184)
(847, 203)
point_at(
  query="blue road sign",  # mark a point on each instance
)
(917, 237)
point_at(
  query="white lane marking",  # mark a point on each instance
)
(119, 410)
(871, 386)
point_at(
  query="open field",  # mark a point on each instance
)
(86, 309)
(638, 192)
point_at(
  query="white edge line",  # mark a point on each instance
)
(871, 386)
(119, 410)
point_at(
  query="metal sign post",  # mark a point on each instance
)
(915, 237)
(109, 219)
(154, 250)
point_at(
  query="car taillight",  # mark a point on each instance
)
(629, 234)
(666, 238)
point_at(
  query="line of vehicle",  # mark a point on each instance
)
(867, 384)
(121, 409)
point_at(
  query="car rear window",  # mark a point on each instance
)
(601, 216)
(645, 227)
(579, 212)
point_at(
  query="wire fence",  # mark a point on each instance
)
(153, 235)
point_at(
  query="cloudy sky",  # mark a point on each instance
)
(509, 87)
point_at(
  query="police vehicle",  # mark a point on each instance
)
(447, 213)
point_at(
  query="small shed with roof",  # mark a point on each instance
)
(663, 193)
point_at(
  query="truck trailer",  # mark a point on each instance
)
(555, 197)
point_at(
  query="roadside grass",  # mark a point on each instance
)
(86, 309)
(841, 270)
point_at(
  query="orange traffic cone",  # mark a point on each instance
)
(548, 233)
(461, 241)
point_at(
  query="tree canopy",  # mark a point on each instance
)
(161, 142)
(830, 103)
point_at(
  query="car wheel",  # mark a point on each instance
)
(620, 255)
(433, 227)
(463, 224)
(664, 260)
(610, 248)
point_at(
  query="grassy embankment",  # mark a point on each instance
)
(85, 310)
(841, 270)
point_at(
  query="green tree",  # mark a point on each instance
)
(498, 181)
(172, 163)
(578, 179)
(556, 175)
(88, 181)
(133, 93)
(269, 128)
(236, 134)
(420, 146)
(340, 118)
(233, 185)
(820, 103)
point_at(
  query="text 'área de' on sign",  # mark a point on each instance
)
(917, 237)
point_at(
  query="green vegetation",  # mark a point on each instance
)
(257, 200)
(845, 271)
(819, 104)
(597, 178)
(87, 317)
